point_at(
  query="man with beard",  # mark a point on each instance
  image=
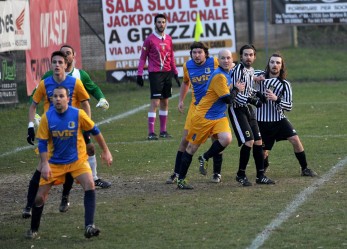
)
(273, 124)
(158, 49)
(243, 119)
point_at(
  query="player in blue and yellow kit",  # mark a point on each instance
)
(63, 150)
(78, 98)
(196, 73)
(209, 117)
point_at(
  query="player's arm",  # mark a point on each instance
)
(42, 135)
(94, 90)
(85, 106)
(184, 89)
(88, 125)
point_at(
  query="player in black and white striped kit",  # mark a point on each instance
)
(243, 119)
(273, 124)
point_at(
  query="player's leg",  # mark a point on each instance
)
(37, 210)
(166, 83)
(32, 191)
(243, 132)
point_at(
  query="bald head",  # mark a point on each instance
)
(225, 59)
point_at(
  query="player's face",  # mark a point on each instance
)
(60, 100)
(199, 56)
(248, 57)
(58, 65)
(225, 59)
(69, 55)
(275, 65)
(160, 25)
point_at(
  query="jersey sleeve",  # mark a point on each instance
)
(92, 88)
(43, 134)
(39, 93)
(186, 78)
(215, 62)
(220, 85)
(86, 123)
(143, 56)
(80, 92)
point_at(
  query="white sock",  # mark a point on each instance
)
(93, 165)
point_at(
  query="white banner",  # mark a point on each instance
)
(14, 25)
(128, 22)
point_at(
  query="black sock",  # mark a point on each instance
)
(258, 155)
(185, 163)
(89, 207)
(178, 161)
(217, 163)
(36, 217)
(215, 149)
(33, 187)
(245, 153)
(301, 156)
(67, 186)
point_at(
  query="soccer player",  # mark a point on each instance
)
(96, 92)
(158, 49)
(62, 150)
(243, 119)
(196, 73)
(209, 117)
(273, 124)
(44, 91)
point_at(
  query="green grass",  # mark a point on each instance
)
(140, 211)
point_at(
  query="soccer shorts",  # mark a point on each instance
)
(275, 131)
(244, 123)
(59, 171)
(189, 117)
(161, 84)
(201, 128)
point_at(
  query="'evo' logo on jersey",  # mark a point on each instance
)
(200, 79)
(64, 133)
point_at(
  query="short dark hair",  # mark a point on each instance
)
(201, 45)
(58, 53)
(247, 46)
(68, 46)
(159, 16)
(283, 70)
(65, 88)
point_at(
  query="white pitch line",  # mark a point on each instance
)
(294, 205)
(109, 120)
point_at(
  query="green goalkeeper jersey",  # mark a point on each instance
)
(89, 85)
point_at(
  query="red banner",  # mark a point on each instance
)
(53, 24)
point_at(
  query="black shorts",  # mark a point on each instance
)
(161, 84)
(244, 124)
(275, 131)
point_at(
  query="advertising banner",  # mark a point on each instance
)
(127, 23)
(306, 12)
(8, 83)
(14, 25)
(53, 24)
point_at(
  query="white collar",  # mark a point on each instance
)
(159, 36)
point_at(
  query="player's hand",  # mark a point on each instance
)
(46, 171)
(31, 135)
(177, 80)
(107, 157)
(254, 101)
(103, 104)
(37, 119)
(240, 85)
(180, 107)
(139, 80)
(261, 96)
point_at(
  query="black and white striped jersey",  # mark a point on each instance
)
(240, 72)
(272, 111)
